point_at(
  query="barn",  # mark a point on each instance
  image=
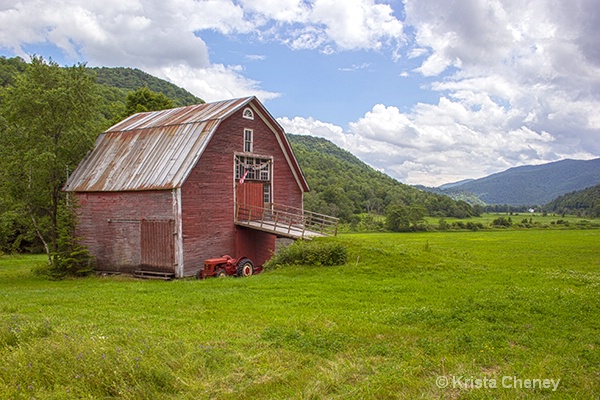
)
(163, 191)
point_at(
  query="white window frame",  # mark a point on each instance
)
(267, 193)
(260, 174)
(248, 140)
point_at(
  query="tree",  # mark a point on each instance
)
(402, 218)
(9, 69)
(50, 121)
(397, 219)
(144, 99)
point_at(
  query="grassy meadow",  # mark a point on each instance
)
(526, 220)
(436, 315)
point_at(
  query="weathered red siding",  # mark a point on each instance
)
(208, 196)
(110, 225)
(256, 245)
(207, 206)
(285, 187)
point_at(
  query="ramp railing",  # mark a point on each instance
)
(286, 221)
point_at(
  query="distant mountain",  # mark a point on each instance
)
(584, 202)
(342, 185)
(454, 184)
(531, 184)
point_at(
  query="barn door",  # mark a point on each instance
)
(158, 245)
(249, 198)
(250, 194)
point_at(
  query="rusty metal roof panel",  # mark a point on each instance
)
(149, 151)
(181, 115)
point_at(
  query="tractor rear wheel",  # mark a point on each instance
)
(245, 268)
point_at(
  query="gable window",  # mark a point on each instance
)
(248, 113)
(248, 140)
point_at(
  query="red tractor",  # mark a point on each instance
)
(226, 265)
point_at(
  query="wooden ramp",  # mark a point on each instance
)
(285, 221)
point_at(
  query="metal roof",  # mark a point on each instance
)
(156, 150)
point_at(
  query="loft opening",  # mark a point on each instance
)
(253, 168)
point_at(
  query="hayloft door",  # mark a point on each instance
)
(253, 186)
(251, 195)
(158, 245)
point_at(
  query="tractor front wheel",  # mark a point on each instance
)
(221, 273)
(199, 274)
(245, 268)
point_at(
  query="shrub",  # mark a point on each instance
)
(316, 252)
(443, 225)
(502, 222)
(473, 226)
(458, 225)
(71, 258)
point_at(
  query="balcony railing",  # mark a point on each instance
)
(286, 221)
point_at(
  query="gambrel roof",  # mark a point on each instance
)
(158, 150)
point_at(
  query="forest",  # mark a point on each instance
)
(343, 186)
(582, 203)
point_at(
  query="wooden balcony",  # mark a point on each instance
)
(285, 221)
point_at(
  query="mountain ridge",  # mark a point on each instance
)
(530, 184)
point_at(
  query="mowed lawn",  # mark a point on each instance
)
(456, 315)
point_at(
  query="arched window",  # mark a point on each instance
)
(248, 113)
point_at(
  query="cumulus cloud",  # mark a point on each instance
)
(215, 82)
(436, 144)
(156, 36)
(519, 83)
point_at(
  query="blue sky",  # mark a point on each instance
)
(428, 91)
(337, 88)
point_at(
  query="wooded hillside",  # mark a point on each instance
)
(114, 86)
(582, 202)
(342, 185)
(528, 185)
(129, 79)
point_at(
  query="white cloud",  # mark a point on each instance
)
(519, 83)
(155, 36)
(435, 144)
(355, 67)
(357, 24)
(217, 82)
(255, 57)
(327, 25)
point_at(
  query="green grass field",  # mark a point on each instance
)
(406, 315)
(535, 220)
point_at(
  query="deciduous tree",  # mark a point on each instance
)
(49, 121)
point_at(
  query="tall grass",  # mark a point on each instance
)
(404, 310)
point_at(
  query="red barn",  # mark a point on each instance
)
(162, 191)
